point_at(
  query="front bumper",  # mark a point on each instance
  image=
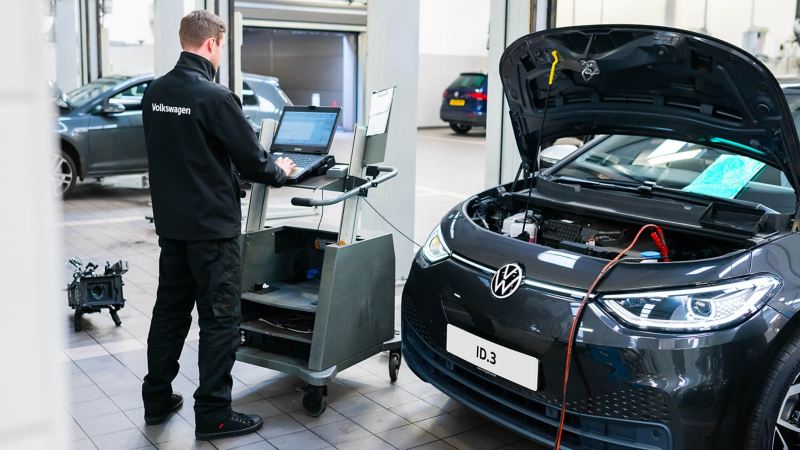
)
(462, 116)
(627, 390)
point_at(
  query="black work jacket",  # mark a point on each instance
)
(195, 134)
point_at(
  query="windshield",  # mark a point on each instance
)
(89, 92)
(471, 81)
(693, 168)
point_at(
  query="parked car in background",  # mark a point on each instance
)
(100, 125)
(464, 102)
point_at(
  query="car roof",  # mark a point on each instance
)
(128, 78)
(261, 78)
(150, 76)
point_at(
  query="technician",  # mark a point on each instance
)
(196, 134)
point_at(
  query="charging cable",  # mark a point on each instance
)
(578, 315)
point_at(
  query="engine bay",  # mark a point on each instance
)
(591, 235)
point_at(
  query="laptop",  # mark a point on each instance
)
(304, 135)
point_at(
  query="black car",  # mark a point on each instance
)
(100, 125)
(689, 338)
(464, 102)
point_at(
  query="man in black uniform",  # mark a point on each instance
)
(195, 134)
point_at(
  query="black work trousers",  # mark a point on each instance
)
(207, 273)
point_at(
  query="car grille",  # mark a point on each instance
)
(633, 403)
(534, 415)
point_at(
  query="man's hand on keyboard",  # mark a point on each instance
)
(286, 164)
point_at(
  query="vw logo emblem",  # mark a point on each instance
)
(507, 280)
(456, 94)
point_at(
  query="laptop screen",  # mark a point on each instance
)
(306, 129)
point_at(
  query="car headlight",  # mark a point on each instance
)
(693, 309)
(435, 249)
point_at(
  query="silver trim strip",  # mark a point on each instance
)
(532, 283)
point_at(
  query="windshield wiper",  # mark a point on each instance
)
(650, 188)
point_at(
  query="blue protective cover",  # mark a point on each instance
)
(726, 176)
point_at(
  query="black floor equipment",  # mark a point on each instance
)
(89, 292)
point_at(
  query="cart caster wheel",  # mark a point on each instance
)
(395, 360)
(314, 402)
(77, 320)
(115, 316)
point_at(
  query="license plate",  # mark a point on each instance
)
(510, 364)
(456, 102)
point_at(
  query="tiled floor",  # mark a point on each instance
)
(105, 364)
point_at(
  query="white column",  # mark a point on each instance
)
(224, 72)
(91, 49)
(509, 20)
(167, 15)
(349, 71)
(32, 378)
(68, 45)
(392, 56)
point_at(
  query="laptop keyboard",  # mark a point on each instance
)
(303, 161)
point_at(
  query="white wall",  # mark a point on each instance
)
(726, 19)
(32, 379)
(453, 37)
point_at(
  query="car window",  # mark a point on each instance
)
(131, 97)
(694, 168)
(248, 96)
(472, 81)
(90, 91)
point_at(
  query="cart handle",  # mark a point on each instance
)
(390, 172)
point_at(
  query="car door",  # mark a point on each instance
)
(116, 140)
(131, 153)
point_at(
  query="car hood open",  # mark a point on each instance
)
(663, 82)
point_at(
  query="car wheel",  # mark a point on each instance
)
(775, 420)
(460, 129)
(65, 174)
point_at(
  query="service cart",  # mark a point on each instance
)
(316, 302)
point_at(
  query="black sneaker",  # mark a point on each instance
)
(237, 425)
(175, 403)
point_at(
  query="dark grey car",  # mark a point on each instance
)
(100, 125)
(537, 304)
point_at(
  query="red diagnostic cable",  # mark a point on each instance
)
(659, 239)
(661, 244)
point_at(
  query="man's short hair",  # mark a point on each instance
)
(197, 26)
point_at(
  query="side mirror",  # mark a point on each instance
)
(555, 153)
(112, 108)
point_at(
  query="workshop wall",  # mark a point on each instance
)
(728, 20)
(453, 38)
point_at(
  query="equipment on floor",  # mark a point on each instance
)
(89, 292)
(316, 302)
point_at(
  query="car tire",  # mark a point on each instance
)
(65, 174)
(778, 402)
(460, 129)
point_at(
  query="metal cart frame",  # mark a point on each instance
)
(352, 301)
